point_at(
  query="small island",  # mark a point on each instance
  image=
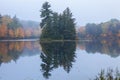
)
(57, 27)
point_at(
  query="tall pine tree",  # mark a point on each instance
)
(46, 21)
(45, 14)
(0, 19)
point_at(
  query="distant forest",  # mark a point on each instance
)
(109, 30)
(13, 28)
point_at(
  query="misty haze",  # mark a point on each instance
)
(59, 40)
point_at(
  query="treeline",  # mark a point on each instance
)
(11, 28)
(57, 26)
(107, 30)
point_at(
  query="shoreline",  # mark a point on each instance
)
(13, 40)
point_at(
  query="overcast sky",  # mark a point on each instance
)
(85, 11)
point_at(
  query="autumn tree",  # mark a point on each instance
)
(3, 31)
(14, 25)
(109, 30)
(12, 28)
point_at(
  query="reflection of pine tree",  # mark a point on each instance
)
(46, 66)
(0, 60)
(57, 54)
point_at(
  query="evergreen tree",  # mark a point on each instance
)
(14, 24)
(69, 25)
(46, 22)
(55, 26)
(45, 14)
(0, 19)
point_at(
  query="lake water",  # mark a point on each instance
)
(28, 60)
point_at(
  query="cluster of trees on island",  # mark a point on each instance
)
(12, 28)
(107, 30)
(57, 26)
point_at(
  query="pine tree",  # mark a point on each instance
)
(46, 23)
(69, 25)
(55, 26)
(0, 19)
(45, 14)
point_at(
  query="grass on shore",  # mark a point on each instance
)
(110, 74)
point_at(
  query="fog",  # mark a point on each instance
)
(84, 11)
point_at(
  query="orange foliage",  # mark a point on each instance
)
(11, 46)
(21, 32)
(21, 46)
(3, 48)
(82, 29)
(18, 32)
(15, 47)
(4, 52)
(11, 33)
(6, 19)
(3, 30)
(28, 45)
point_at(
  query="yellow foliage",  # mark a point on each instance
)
(3, 30)
(11, 33)
(6, 19)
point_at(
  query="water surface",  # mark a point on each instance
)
(29, 60)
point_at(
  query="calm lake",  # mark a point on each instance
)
(30, 60)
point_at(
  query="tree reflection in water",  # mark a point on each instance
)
(57, 54)
(111, 48)
(13, 50)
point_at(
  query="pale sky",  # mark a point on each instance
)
(85, 11)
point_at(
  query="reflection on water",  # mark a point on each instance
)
(111, 48)
(13, 50)
(54, 56)
(57, 54)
